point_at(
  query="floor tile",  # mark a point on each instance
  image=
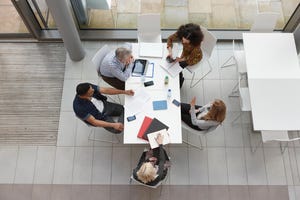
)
(217, 167)
(67, 129)
(41, 191)
(101, 173)
(239, 192)
(82, 171)
(44, 167)
(61, 192)
(274, 166)
(233, 135)
(8, 163)
(220, 192)
(237, 174)
(121, 165)
(256, 169)
(278, 192)
(120, 192)
(26, 164)
(198, 166)
(80, 192)
(64, 164)
(258, 192)
(179, 170)
(69, 91)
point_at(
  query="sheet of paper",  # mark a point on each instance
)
(172, 68)
(136, 103)
(152, 136)
(150, 70)
(151, 49)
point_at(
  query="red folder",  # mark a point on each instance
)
(146, 123)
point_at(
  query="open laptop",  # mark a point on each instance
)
(151, 49)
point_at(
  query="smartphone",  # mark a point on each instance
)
(131, 118)
(149, 83)
(176, 103)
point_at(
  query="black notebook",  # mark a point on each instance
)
(155, 125)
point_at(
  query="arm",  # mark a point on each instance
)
(99, 123)
(119, 74)
(170, 41)
(115, 91)
(162, 158)
(203, 124)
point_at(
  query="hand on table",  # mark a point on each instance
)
(159, 139)
(129, 92)
(118, 126)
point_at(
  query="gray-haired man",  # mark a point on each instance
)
(116, 67)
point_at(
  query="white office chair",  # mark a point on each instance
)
(148, 28)
(197, 133)
(99, 56)
(244, 95)
(264, 22)
(97, 60)
(91, 136)
(160, 183)
(207, 46)
(279, 136)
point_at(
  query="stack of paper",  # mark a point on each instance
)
(172, 68)
(152, 136)
(136, 103)
(151, 49)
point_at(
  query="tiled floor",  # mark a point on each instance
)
(213, 14)
(226, 163)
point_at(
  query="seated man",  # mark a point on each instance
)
(116, 67)
(93, 108)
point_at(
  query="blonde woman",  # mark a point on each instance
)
(151, 168)
(203, 118)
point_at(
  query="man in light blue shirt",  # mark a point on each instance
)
(116, 67)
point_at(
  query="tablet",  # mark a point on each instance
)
(139, 67)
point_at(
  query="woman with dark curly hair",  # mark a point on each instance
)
(191, 37)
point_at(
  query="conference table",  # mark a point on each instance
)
(170, 117)
(274, 80)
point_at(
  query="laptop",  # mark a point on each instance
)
(151, 49)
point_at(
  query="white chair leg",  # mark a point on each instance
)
(193, 78)
(115, 140)
(226, 63)
(283, 148)
(235, 91)
(253, 149)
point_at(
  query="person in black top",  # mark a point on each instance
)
(153, 165)
(91, 106)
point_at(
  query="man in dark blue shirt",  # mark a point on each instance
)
(93, 108)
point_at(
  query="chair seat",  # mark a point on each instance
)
(274, 136)
(239, 56)
(245, 99)
(149, 37)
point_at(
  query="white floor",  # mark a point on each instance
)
(225, 160)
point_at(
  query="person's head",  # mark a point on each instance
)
(147, 172)
(123, 54)
(84, 90)
(190, 34)
(217, 111)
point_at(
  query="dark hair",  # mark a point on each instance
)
(82, 88)
(192, 32)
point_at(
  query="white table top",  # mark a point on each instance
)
(171, 117)
(274, 80)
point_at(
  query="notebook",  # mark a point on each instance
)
(146, 122)
(160, 105)
(151, 49)
(152, 136)
(155, 125)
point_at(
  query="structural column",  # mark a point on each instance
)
(67, 29)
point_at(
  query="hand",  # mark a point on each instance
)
(193, 102)
(129, 60)
(179, 59)
(118, 126)
(159, 139)
(129, 92)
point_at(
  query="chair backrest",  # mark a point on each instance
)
(209, 42)
(264, 22)
(148, 28)
(98, 57)
(150, 186)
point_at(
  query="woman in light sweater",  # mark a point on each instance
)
(203, 118)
